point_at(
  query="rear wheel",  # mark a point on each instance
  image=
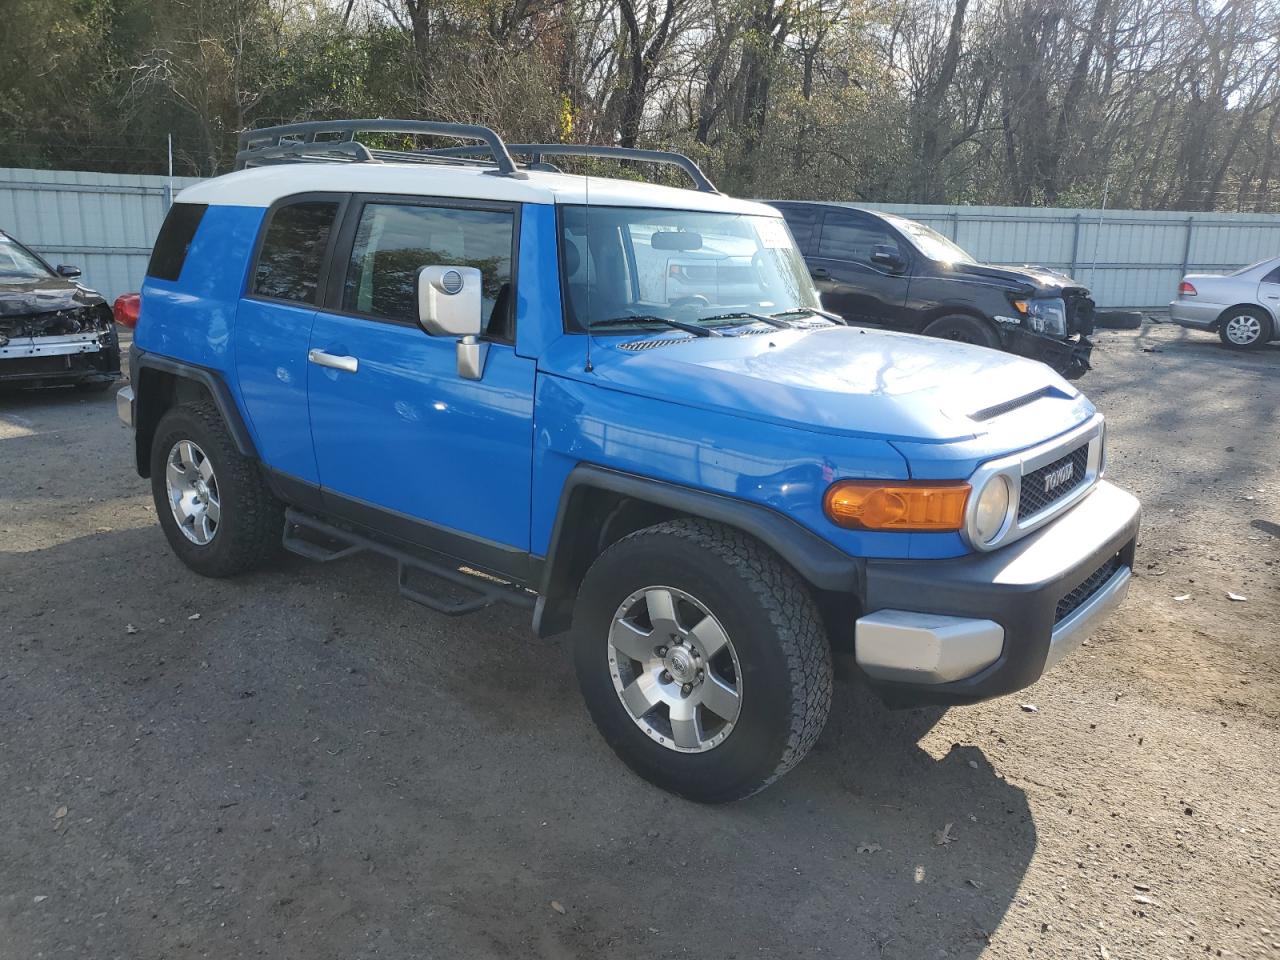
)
(963, 329)
(702, 659)
(217, 513)
(1244, 328)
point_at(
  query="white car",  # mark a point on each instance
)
(1244, 307)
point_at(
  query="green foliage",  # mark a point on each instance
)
(967, 101)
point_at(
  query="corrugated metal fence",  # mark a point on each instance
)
(1128, 258)
(106, 223)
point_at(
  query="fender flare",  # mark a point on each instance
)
(820, 563)
(148, 412)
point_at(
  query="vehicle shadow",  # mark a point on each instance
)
(301, 759)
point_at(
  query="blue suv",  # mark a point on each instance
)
(620, 405)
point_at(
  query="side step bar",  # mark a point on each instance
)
(340, 543)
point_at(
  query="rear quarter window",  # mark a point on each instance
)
(293, 248)
(176, 233)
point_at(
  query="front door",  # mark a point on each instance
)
(402, 442)
(850, 283)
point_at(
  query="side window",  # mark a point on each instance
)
(852, 238)
(288, 266)
(394, 241)
(1273, 276)
(802, 221)
(176, 233)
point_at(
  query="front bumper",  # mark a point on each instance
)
(1070, 358)
(77, 357)
(1199, 316)
(981, 626)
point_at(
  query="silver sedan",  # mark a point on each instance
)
(1244, 307)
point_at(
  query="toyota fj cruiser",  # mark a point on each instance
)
(487, 371)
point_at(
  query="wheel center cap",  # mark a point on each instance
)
(681, 663)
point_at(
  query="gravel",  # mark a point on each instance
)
(300, 764)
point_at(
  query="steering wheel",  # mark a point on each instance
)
(696, 300)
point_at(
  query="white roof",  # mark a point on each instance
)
(262, 186)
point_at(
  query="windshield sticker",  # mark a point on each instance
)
(773, 234)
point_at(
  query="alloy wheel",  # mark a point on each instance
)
(675, 669)
(1243, 329)
(193, 492)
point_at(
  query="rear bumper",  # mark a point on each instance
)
(1201, 316)
(960, 631)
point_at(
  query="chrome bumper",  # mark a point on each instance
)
(1082, 622)
(124, 405)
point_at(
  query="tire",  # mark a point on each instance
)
(963, 329)
(777, 657)
(1118, 320)
(95, 386)
(1245, 328)
(250, 521)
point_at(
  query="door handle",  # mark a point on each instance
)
(820, 273)
(322, 359)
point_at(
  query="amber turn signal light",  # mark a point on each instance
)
(897, 505)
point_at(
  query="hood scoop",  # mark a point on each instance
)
(1000, 409)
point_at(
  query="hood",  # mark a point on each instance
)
(1042, 280)
(44, 295)
(845, 380)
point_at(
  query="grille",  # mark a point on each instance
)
(635, 346)
(1035, 498)
(1095, 581)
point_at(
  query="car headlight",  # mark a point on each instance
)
(1047, 315)
(991, 509)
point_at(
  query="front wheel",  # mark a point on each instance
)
(1244, 329)
(963, 329)
(702, 659)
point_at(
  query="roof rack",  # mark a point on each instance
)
(330, 140)
(536, 151)
(315, 141)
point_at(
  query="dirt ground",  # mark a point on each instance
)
(299, 764)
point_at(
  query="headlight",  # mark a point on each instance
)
(1047, 315)
(991, 509)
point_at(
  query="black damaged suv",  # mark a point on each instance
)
(53, 330)
(882, 269)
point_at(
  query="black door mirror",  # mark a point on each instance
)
(889, 258)
(68, 271)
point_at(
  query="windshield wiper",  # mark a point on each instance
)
(693, 328)
(772, 321)
(833, 317)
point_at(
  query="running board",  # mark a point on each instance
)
(340, 543)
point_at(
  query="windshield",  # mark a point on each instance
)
(931, 243)
(1253, 266)
(17, 264)
(678, 267)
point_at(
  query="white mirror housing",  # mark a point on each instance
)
(449, 301)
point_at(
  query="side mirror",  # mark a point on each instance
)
(888, 257)
(68, 271)
(449, 305)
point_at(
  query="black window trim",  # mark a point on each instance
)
(326, 257)
(811, 209)
(905, 247)
(339, 256)
(186, 250)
